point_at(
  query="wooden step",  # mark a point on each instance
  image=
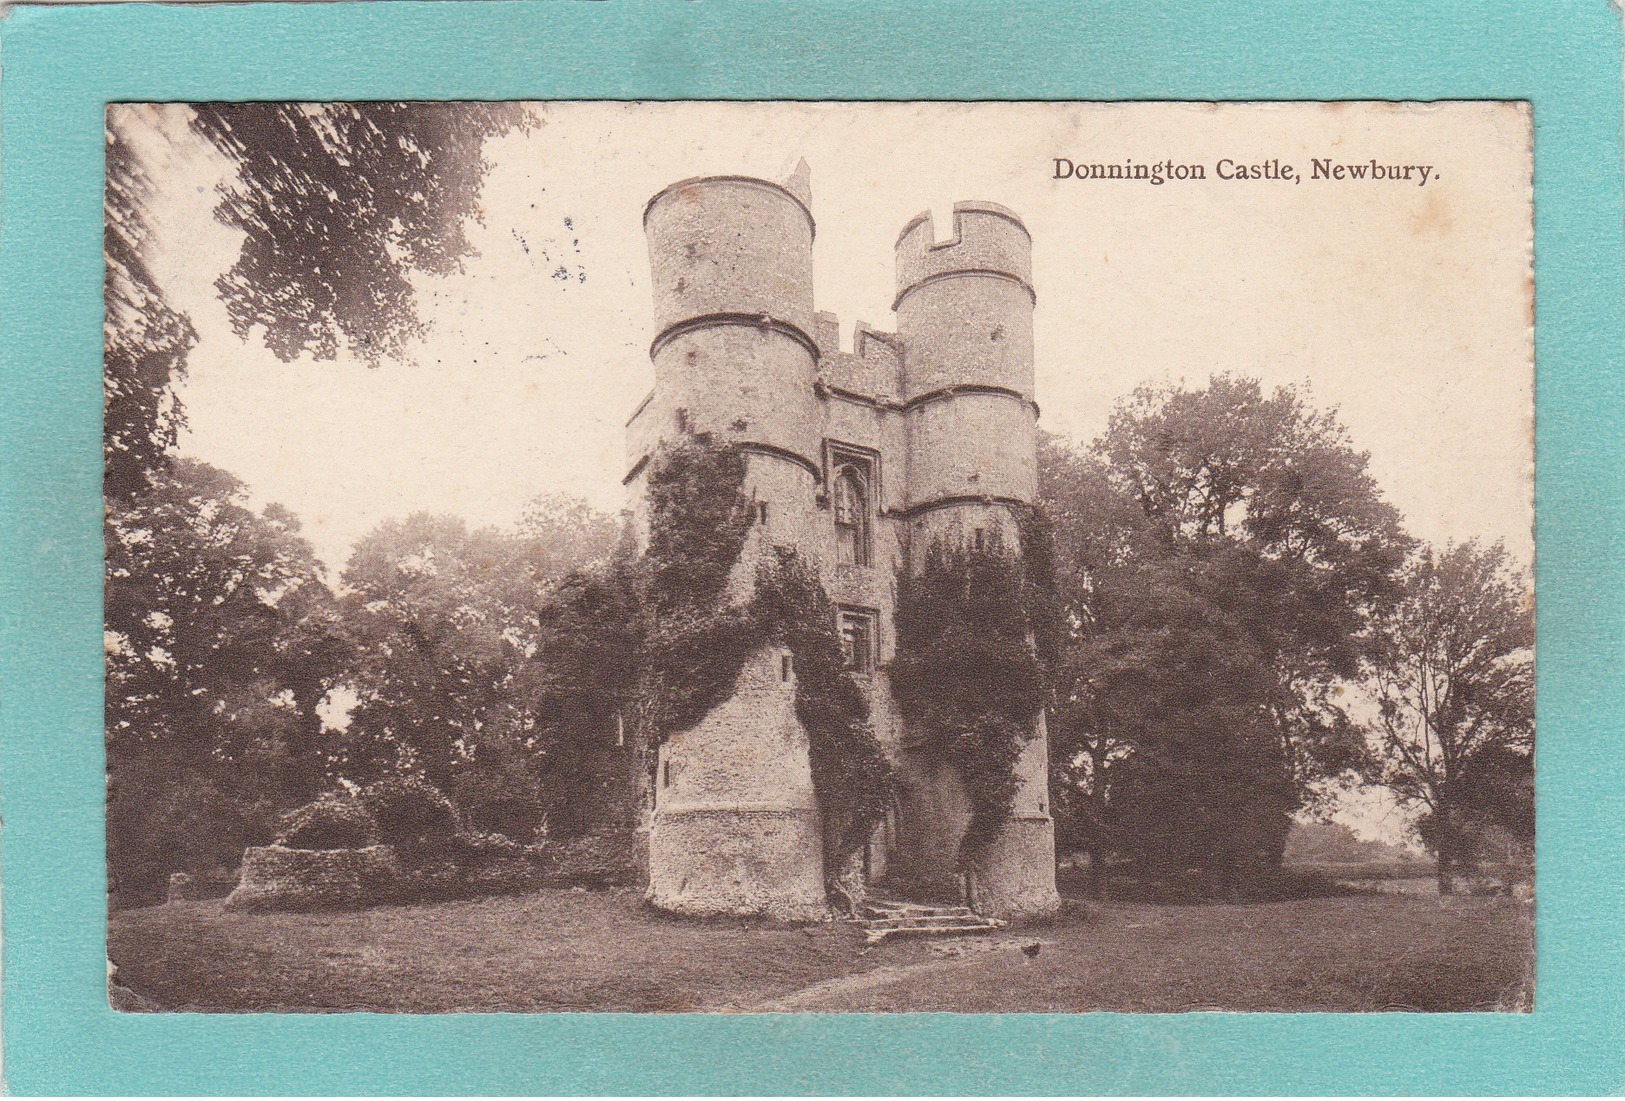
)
(914, 909)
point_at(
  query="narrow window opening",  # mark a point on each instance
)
(682, 421)
(761, 512)
(851, 517)
(981, 539)
(858, 641)
(665, 773)
(786, 667)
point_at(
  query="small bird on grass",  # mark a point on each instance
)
(1031, 950)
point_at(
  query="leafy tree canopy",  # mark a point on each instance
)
(1453, 672)
(222, 640)
(1220, 551)
(340, 204)
(221, 634)
(443, 618)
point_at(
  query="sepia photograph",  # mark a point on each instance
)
(534, 584)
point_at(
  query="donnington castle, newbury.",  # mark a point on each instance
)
(926, 433)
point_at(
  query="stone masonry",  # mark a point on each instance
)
(923, 434)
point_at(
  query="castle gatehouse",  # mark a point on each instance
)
(922, 434)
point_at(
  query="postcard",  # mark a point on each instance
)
(524, 554)
(541, 560)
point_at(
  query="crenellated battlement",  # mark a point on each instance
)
(987, 238)
(855, 451)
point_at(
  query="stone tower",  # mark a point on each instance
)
(925, 434)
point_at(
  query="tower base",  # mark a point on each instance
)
(741, 862)
(1013, 877)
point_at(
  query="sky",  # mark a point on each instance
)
(1405, 306)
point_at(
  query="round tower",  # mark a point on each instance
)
(736, 828)
(965, 315)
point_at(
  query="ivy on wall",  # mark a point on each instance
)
(697, 640)
(975, 629)
(852, 776)
(694, 641)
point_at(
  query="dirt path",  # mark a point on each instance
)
(840, 994)
(813, 998)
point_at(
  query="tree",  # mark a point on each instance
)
(1220, 551)
(1269, 497)
(221, 641)
(568, 534)
(1453, 673)
(340, 204)
(587, 669)
(469, 642)
(443, 619)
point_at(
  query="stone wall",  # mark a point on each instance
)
(736, 826)
(944, 409)
(275, 878)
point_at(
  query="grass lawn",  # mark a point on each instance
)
(574, 950)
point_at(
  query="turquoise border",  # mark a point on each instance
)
(62, 64)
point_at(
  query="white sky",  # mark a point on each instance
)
(1408, 308)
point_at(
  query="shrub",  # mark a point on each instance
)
(330, 822)
(482, 848)
(409, 811)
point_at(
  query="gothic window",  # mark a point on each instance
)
(858, 640)
(851, 517)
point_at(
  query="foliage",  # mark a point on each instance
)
(1335, 843)
(698, 640)
(409, 811)
(333, 821)
(222, 639)
(1496, 790)
(328, 255)
(567, 535)
(329, 249)
(499, 788)
(1453, 673)
(851, 775)
(163, 818)
(443, 621)
(1270, 498)
(221, 642)
(585, 674)
(967, 672)
(145, 342)
(1220, 552)
(698, 519)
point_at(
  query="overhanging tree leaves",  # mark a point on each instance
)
(341, 203)
(145, 342)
